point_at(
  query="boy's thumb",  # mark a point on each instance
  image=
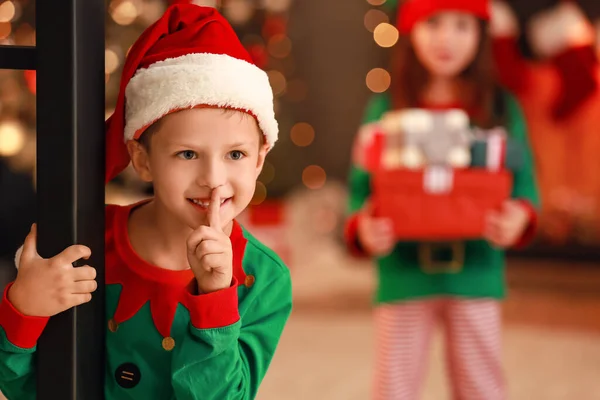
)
(30, 245)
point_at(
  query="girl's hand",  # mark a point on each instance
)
(376, 235)
(503, 229)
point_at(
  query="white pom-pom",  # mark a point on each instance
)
(503, 22)
(18, 256)
(392, 158)
(459, 157)
(416, 121)
(456, 120)
(412, 157)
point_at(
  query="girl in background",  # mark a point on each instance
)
(442, 61)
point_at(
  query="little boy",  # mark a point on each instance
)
(195, 305)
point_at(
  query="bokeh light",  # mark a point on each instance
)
(386, 35)
(314, 177)
(378, 80)
(302, 134)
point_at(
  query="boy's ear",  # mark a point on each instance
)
(139, 160)
(262, 154)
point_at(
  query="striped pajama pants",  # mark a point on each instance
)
(473, 348)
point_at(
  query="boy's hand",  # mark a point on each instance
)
(209, 251)
(46, 287)
(376, 235)
(503, 229)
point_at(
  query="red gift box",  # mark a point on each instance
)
(439, 204)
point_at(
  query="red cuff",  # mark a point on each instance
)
(215, 310)
(351, 237)
(529, 233)
(21, 330)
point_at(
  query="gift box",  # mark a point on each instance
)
(439, 203)
(437, 177)
(495, 150)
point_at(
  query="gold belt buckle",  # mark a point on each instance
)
(431, 264)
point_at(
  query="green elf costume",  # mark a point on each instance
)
(401, 276)
(163, 341)
(415, 291)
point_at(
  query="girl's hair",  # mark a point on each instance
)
(478, 90)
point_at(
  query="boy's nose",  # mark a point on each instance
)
(212, 174)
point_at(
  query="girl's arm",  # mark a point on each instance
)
(525, 188)
(366, 153)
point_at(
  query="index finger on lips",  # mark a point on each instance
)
(214, 208)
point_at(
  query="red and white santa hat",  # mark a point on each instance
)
(190, 57)
(413, 11)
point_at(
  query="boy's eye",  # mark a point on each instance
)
(187, 155)
(236, 155)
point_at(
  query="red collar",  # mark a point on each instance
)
(143, 282)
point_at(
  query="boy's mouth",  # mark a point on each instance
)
(204, 203)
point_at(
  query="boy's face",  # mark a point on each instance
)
(196, 151)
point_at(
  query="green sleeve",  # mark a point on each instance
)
(525, 184)
(230, 362)
(17, 370)
(359, 182)
(378, 105)
(359, 179)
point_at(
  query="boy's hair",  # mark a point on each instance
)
(147, 135)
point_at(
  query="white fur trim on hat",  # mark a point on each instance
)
(199, 79)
